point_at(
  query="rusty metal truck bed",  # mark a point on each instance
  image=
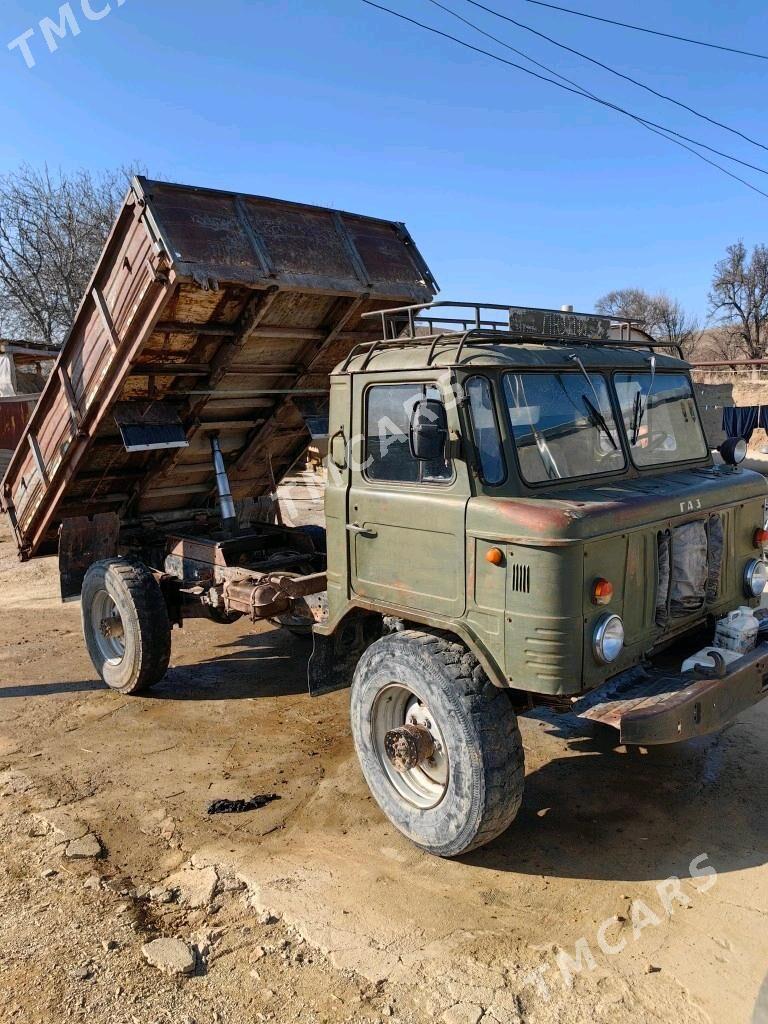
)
(231, 310)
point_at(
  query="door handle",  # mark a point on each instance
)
(362, 530)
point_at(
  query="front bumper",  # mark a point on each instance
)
(650, 705)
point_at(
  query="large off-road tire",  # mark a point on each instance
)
(125, 624)
(470, 789)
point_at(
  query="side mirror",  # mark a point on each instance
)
(429, 430)
(337, 449)
(733, 450)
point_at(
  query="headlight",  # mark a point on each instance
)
(755, 577)
(733, 450)
(608, 638)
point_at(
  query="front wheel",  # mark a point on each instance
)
(125, 624)
(438, 743)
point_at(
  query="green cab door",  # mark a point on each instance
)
(405, 520)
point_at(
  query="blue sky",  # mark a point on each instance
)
(513, 190)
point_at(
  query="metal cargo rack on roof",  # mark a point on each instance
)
(415, 325)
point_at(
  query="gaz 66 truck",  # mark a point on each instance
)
(521, 504)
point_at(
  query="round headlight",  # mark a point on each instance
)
(755, 577)
(608, 638)
(733, 450)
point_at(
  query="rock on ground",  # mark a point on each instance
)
(463, 1013)
(12, 782)
(88, 846)
(173, 956)
(61, 822)
(196, 887)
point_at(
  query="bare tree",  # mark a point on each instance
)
(717, 344)
(52, 229)
(660, 315)
(632, 304)
(738, 300)
(676, 325)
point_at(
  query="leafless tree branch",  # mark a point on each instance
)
(52, 229)
(738, 301)
(660, 315)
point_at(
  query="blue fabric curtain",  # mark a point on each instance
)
(741, 421)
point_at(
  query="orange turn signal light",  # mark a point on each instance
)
(602, 591)
(760, 538)
(495, 556)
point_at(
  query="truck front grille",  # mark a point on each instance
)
(689, 563)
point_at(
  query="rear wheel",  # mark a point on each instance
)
(125, 624)
(438, 743)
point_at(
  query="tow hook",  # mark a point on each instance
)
(718, 670)
(408, 746)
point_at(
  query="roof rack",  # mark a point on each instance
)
(416, 325)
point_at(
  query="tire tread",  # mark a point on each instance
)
(494, 721)
(154, 626)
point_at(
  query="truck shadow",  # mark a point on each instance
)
(618, 814)
(253, 665)
(51, 689)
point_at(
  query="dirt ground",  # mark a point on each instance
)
(314, 908)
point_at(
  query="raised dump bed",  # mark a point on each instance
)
(209, 313)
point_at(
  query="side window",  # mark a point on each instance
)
(485, 429)
(389, 408)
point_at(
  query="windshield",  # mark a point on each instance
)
(660, 418)
(562, 424)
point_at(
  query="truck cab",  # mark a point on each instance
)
(538, 491)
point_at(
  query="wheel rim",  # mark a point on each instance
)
(425, 784)
(107, 628)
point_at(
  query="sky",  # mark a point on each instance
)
(514, 190)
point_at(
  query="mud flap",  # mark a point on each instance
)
(334, 658)
(83, 541)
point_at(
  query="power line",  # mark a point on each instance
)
(650, 31)
(508, 46)
(590, 95)
(577, 91)
(619, 74)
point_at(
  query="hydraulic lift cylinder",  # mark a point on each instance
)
(226, 502)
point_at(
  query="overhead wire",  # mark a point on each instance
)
(586, 92)
(650, 31)
(578, 91)
(619, 74)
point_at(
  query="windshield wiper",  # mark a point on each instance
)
(596, 417)
(640, 405)
(598, 420)
(637, 417)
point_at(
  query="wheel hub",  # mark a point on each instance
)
(107, 628)
(112, 627)
(408, 746)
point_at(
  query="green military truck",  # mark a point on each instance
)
(521, 504)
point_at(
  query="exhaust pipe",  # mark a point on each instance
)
(226, 503)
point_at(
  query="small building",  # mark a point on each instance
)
(24, 369)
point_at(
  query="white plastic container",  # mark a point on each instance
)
(704, 658)
(737, 631)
